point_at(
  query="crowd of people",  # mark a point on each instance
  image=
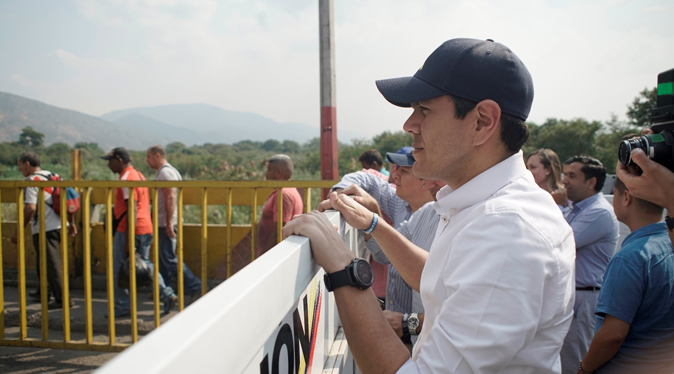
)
(474, 258)
(279, 167)
(513, 266)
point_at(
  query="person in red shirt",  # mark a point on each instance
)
(279, 167)
(119, 161)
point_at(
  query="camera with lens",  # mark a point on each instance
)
(659, 147)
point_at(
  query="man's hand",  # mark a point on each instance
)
(655, 183)
(72, 230)
(395, 319)
(14, 238)
(560, 196)
(328, 249)
(170, 232)
(363, 198)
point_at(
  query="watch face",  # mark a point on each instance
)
(364, 272)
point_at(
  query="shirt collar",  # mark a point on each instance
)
(586, 202)
(647, 230)
(482, 186)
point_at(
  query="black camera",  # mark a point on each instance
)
(659, 147)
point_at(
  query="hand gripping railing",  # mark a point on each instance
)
(273, 316)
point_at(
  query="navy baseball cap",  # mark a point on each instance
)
(402, 157)
(471, 69)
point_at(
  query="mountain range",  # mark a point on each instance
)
(139, 128)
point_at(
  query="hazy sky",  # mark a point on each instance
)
(587, 58)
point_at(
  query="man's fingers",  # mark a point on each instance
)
(640, 158)
(324, 205)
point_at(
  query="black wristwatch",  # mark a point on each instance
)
(358, 273)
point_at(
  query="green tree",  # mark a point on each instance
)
(608, 140)
(31, 137)
(566, 138)
(639, 112)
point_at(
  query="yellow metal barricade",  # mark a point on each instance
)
(92, 242)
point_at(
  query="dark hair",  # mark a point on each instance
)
(370, 156)
(550, 161)
(157, 149)
(30, 157)
(514, 131)
(592, 168)
(646, 206)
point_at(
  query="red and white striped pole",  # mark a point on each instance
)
(329, 170)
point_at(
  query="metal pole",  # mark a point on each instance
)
(329, 169)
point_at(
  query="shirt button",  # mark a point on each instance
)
(444, 219)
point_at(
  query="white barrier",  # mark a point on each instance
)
(274, 316)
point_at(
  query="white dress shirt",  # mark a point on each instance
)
(498, 284)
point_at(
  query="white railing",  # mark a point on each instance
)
(274, 316)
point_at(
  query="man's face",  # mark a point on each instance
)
(442, 143)
(152, 159)
(577, 188)
(272, 173)
(408, 185)
(23, 167)
(115, 165)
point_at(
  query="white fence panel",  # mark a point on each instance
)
(270, 317)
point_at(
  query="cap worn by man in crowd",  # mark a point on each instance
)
(471, 69)
(402, 157)
(120, 153)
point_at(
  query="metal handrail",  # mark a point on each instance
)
(85, 188)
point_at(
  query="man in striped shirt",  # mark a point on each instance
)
(408, 202)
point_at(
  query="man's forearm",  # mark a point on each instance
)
(605, 344)
(28, 213)
(407, 258)
(169, 204)
(375, 347)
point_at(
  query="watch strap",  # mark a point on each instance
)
(338, 279)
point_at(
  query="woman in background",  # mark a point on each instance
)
(544, 165)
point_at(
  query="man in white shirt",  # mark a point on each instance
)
(167, 218)
(498, 283)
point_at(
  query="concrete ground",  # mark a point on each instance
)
(20, 360)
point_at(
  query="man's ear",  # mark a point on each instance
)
(626, 199)
(591, 183)
(488, 115)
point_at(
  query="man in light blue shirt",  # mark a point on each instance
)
(635, 313)
(596, 232)
(408, 201)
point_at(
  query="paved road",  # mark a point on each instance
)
(20, 360)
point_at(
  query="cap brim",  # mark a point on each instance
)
(406, 90)
(108, 157)
(400, 160)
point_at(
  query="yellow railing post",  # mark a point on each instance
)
(20, 229)
(86, 241)
(131, 244)
(253, 227)
(204, 243)
(65, 297)
(2, 282)
(279, 224)
(42, 276)
(179, 248)
(110, 272)
(307, 200)
(155, 256)
(229, 234)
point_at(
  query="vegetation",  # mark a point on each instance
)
(246, 160)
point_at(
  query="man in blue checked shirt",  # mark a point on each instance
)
(596, 232)
(408, 202)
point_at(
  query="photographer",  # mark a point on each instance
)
(655, 183)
